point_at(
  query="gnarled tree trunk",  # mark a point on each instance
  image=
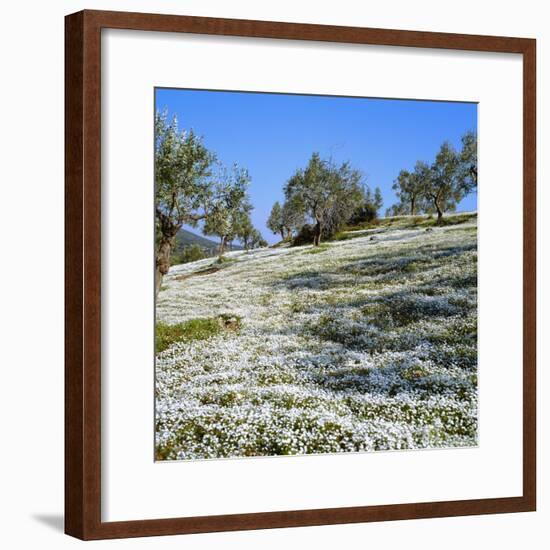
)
(439, 211)
(162, 258)
(223, 244)
(317, 234)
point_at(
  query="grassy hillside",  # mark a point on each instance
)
(365, 343)
(186, 238)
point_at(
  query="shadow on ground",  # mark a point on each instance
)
(53, 521)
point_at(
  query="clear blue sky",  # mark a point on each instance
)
(274, 134)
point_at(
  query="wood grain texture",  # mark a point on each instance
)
(300, 31)
(74, 429)
(82, 277)
(529, 276)
(83, 274)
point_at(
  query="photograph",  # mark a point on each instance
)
(316, 281)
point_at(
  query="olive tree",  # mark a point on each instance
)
(378, 201)
(257, 241)
(250, 236)
(286, 219)
(411, 186)
(245, 233)
(275, 220)
(293, 217)
(231, 207)
(468, 162)
(183, 187)
(442, 184)
(328, 194)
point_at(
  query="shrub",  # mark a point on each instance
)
(304, 236)
(307, 233)
(191, 253)
(367, 212)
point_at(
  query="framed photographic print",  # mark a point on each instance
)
(300, 278)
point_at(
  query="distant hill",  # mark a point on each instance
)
(187, 238)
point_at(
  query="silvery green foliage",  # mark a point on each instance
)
(275, 220)
(410, 188)
(230, 209)
(468, 161)
(325, 193)
(444, 185)
(183, 188)
(368, 344)
(440, 186)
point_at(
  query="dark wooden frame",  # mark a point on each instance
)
(83, 274)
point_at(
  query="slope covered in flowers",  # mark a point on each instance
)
(368, 343)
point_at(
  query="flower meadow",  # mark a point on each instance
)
(367, 343)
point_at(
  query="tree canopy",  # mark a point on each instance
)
(439, 187)
(327, 194)
(183, 187)
(443, 186)
(468, 161)
(275, 220)
(230, 212)
(410, 187)
(192, 187)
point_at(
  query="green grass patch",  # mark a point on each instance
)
(194, 329)
(415, 222)
(446, 220)
(224, 260)
(414, 373)
(347, 235)
(317, 249)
